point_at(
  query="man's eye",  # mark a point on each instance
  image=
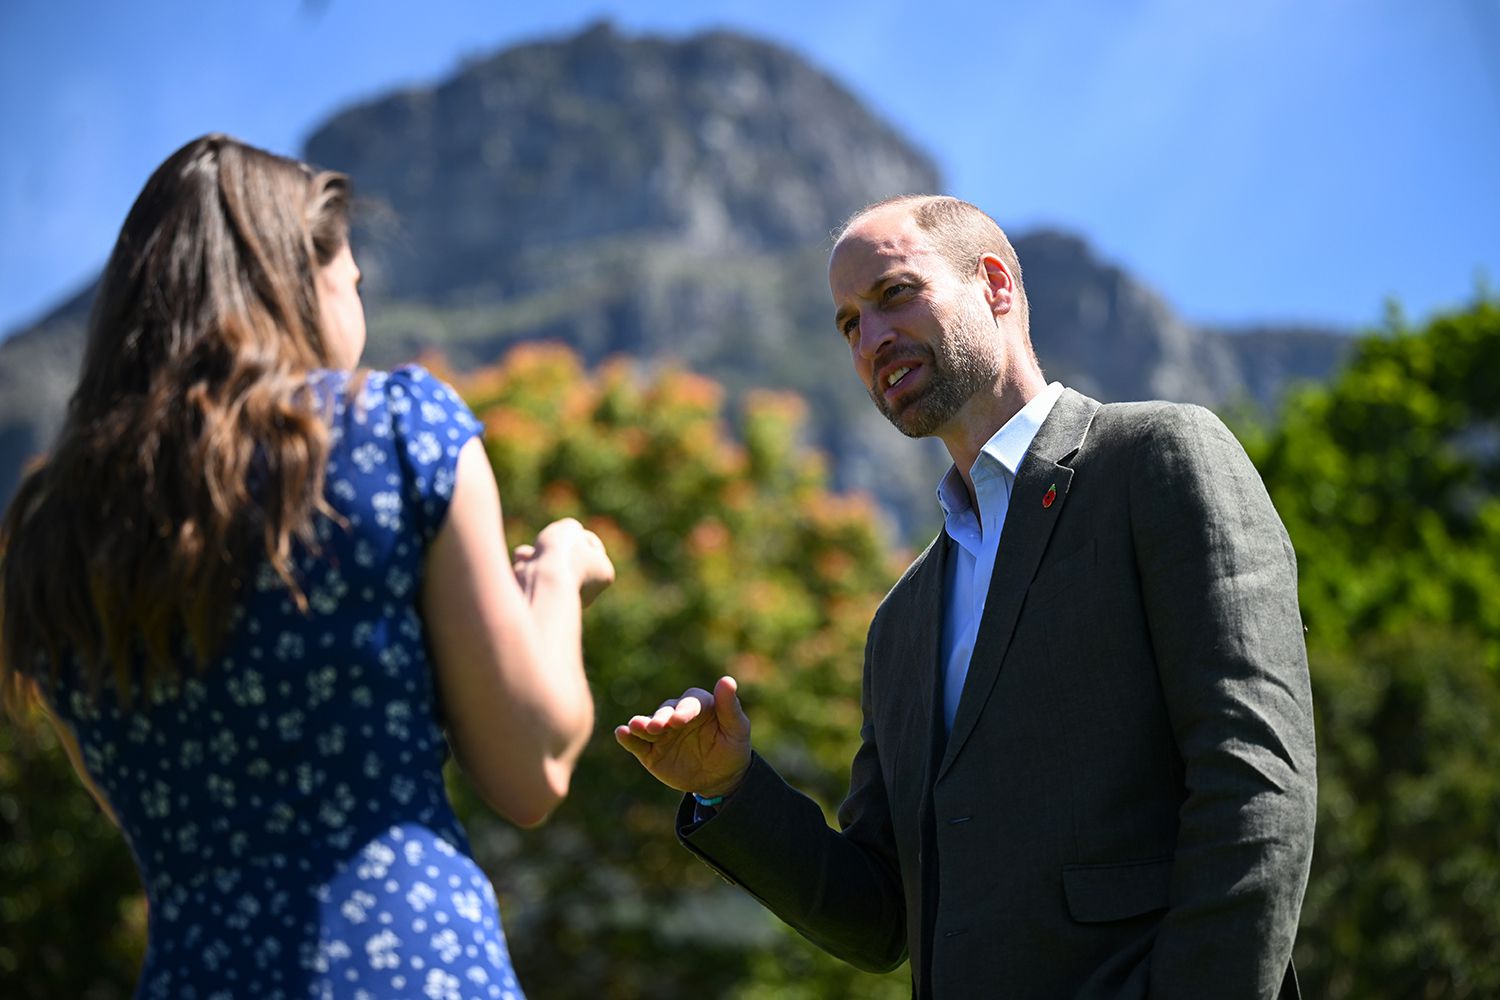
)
(894, 291)
(850, 325)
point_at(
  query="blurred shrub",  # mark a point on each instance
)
(1404, 899)
(72, 916)
(1388, 480)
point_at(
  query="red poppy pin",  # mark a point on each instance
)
(1049, 496)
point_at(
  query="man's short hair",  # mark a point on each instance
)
(961, 233)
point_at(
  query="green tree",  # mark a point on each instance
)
(72, 916)
(1389, 483)
(1404, 898)
(1388, 480)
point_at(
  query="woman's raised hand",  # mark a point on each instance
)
(566, 545)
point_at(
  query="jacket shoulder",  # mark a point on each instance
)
(1154, 420)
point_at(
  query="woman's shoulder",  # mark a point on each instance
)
(396, 436)
(377, 385)
(407, 395)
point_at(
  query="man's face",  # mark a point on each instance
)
(922, 337)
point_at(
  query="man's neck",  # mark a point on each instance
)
(974, 425)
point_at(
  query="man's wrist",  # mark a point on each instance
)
(718, 793)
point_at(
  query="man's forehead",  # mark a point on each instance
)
(875, 242)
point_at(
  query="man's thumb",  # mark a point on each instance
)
(731, 716)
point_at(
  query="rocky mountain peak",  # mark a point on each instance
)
(716, 141)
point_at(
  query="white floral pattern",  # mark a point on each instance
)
(286, 805)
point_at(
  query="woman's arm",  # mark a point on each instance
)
(508, 652)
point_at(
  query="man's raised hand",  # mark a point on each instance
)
(699, 742)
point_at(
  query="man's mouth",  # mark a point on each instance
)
(894, 380)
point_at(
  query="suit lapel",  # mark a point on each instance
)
(1029, 520)
(931, 579)
(927, 607)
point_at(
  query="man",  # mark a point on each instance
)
(1087, 761)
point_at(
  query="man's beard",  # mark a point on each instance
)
(958, 368)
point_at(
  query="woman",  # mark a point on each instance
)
(256, 589)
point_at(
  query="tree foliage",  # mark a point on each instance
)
(72, 916)
(1388, 480)
(1389, 483)
(1404, 898)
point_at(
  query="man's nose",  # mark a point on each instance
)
(875, 334)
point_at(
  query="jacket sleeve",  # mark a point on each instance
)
(840, 889)
(1219, 582)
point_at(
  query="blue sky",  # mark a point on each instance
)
(1265, 161)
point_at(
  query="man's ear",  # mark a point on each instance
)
(1000, 284)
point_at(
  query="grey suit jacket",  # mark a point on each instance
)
(1125, 804)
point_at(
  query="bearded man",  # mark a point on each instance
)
(1086, 765)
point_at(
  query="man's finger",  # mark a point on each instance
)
(637, 746)
(693, 704)
(672, 714)
(661, 715)
(639, 728)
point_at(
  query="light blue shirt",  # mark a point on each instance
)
(971, 561)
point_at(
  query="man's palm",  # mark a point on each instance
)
(697, 743)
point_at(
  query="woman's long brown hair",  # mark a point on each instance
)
(133, 536)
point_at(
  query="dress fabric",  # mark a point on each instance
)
(286, 804)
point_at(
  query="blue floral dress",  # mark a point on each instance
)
(286, 805)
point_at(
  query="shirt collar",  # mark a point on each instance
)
(1002, 453)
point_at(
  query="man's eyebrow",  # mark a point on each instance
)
(900, 274)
